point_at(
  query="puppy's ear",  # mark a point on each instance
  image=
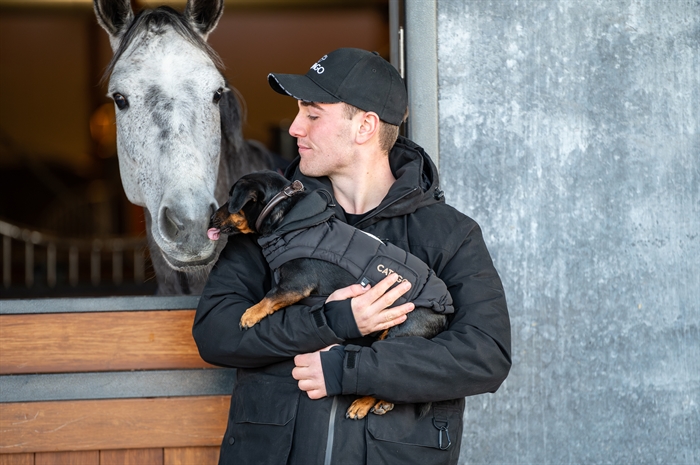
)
(240, 197)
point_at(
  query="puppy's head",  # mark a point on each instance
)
(247, 198)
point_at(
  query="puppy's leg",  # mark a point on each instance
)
(364, 405)
(360, 408)
(273, 301)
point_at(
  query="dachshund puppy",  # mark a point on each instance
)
(307, 263)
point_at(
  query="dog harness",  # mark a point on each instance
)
(310, 230)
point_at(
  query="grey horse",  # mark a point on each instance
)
(179, 139)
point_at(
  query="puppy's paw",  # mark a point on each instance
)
(250, 318)
(360, 408)
(381, 407)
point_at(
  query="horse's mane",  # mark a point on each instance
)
(157, 20)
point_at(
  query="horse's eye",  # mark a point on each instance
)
(218, 94)
(120, 100)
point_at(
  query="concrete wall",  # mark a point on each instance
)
(570, 130)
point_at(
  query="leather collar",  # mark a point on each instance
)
(286, 193)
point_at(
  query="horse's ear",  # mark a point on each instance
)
(204, 15)
(114, 16)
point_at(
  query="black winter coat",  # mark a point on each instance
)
(310, 230)
(272, 422)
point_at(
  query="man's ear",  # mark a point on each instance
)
(369, 127)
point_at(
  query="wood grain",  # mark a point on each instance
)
(68, 458)
(191, 456)
(102, 341)
(16, 459)
(113, 424)
(132, 457)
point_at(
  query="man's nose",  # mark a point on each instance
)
(296, 129)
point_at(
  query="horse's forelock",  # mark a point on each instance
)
(157, 20)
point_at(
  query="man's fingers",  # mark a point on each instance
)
(395, 316)
(383, 285)
(349, 292)
(393, 295)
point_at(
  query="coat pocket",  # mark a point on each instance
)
(400, 436)
(261, 422)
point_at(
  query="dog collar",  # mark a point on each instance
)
(286, 193)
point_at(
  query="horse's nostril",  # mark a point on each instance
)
(170, 224)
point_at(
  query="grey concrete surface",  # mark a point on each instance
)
(570, 130)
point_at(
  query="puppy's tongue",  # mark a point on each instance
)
(213, 234)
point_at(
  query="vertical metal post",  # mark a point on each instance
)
(73, 266)
(6, 261)
(139, 275)
(422, 75)
(51, 265)
(28, 263)
(394, 27)
(95, 263)
(118, 263)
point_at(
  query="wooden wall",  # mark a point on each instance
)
(107, 381)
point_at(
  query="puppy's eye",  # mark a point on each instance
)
(121, 101)
(218, 94)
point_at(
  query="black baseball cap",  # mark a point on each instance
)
(360, 78)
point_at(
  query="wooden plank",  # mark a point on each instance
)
(191, 455)
(132, 457)
(16, 459)
(109, 341)
(91, 457)
(113, 424)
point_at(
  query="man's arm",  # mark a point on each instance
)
(471, 357)
(239, 280)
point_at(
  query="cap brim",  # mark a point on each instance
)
(300, 87)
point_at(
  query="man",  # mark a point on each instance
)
(291, 392)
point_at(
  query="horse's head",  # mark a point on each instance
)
(167, 87)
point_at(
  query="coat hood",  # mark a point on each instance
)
(417, 183)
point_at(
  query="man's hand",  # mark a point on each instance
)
(370, 305)
(309, 373)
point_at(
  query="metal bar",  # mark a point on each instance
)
(422, 75)
(117, 266)
(97, 304)
(73, 266)
(402, 53)
(116, 385)
(28, 264)
(51, 265)
(6, 261)
(394, 24)
(95, 264)
(139, 275)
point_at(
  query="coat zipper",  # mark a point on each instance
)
(389, 205)
(331, 432)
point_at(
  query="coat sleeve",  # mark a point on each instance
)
(471, 357)
(239, 280)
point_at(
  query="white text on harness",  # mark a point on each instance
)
(387, 271)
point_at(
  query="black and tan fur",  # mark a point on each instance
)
(303, 277)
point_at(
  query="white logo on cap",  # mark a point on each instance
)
(317, 66)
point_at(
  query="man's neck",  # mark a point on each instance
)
(364, 188)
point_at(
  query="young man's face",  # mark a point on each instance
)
(324, 137)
